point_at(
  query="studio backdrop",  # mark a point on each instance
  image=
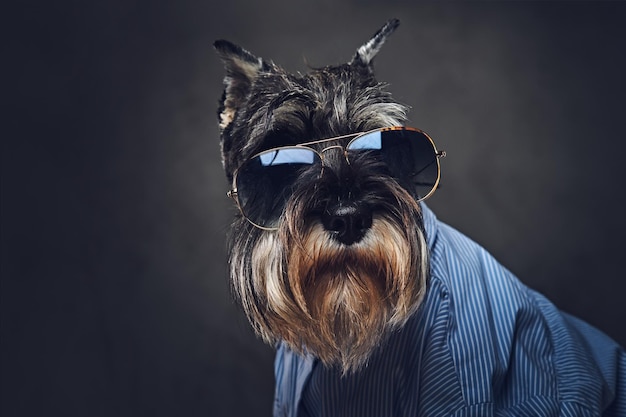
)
(115, 297)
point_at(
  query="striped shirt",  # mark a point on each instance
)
(482, 344)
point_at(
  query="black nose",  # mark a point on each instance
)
(348, 222)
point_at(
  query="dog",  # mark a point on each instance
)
(375, 307)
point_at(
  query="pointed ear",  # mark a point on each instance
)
(366, 53)
(242, 68)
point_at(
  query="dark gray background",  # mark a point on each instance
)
(115, 299)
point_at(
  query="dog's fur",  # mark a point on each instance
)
(300, 284)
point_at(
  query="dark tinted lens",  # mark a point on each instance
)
(408, 154)
(264, 183)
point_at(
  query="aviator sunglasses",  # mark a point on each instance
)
(264, 183)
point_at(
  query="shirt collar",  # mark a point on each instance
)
(430, 225)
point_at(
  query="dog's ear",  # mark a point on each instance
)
(242, 68)
(366, 53)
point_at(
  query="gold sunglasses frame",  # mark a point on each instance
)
(232, 193)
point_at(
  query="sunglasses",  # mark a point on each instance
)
(263, 184)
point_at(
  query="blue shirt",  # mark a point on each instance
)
(482, 344)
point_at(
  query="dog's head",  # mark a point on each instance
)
(329, 253)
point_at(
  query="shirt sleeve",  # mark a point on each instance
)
(515, 352)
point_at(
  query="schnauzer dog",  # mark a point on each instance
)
(376, 307)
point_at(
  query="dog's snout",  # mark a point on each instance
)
(347, 222)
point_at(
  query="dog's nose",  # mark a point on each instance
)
(347, 222)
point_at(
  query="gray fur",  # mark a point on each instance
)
(260, 98)
(366, 53)
(264, 107)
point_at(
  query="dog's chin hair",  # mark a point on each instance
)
(334, 301)
(355, 295)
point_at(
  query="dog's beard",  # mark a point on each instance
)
(337, 302)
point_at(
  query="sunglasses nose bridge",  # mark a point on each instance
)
(325, 160)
